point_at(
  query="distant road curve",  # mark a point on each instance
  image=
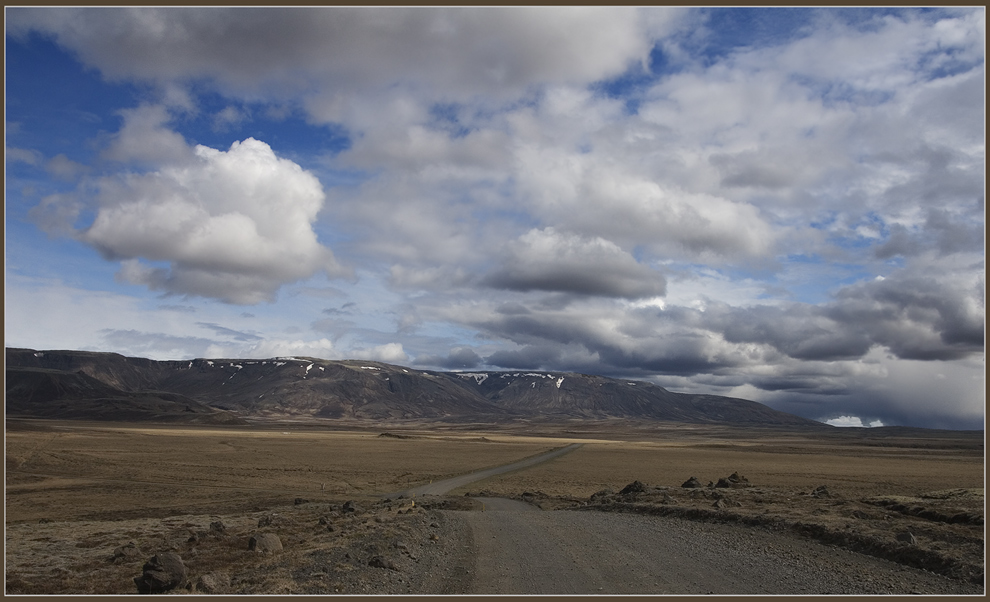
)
(442, 487)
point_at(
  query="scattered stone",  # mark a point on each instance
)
(300, 500)
(265, 542)
(821, 491)
(163, 572)
(213, 583)
(126, 552)
(269, 520)
(733, 480)
(43, 521)
(634, 487)
(380, 562)
(692, 483)
(604, 493)
(350, 506)
(324, 520)
(908, 538)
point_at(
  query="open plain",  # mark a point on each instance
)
(87, 505)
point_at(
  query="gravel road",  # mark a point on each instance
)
(516, 548)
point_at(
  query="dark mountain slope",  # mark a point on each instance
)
(44, 393)
(308, 387)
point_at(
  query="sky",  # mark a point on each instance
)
(782, 205)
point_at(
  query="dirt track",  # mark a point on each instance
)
(518, 549)
(442, 487)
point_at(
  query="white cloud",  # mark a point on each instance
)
(145, 139)
(849, 421)
(389, 353)
(233, 225)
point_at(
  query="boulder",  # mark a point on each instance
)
(692, 483)
(265, 542)
(213, 583)
(634, 487)
(163, 572)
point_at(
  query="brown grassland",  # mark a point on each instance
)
(77, 491)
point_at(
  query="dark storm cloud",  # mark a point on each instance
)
(798, 331)
(915, 317)
(458, 358)
(942, 231)
(531, 357)
(547, 260)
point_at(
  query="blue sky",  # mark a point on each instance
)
(784, 205)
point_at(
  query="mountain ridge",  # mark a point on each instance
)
(230, 390)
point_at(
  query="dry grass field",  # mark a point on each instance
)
(75, 491)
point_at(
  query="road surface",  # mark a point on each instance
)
(516, 548)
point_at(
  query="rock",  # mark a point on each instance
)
(719, 503)
(381, 562)
(324, 520)
(692, 483)
(213, 583)
(908, 538)
(217, 527)
(634, 487)
(821, 491)
(126, 552)
(265, 542)
(300, 500)
(350, 506)
(163, 572)
(269, 520)
(733, 480)
(600, 495)
(737, 478)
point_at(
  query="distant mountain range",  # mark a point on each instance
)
(109, 386)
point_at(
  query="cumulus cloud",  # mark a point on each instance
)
(558, 261)
(233, 225)
(854, 421)
(144, 138)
